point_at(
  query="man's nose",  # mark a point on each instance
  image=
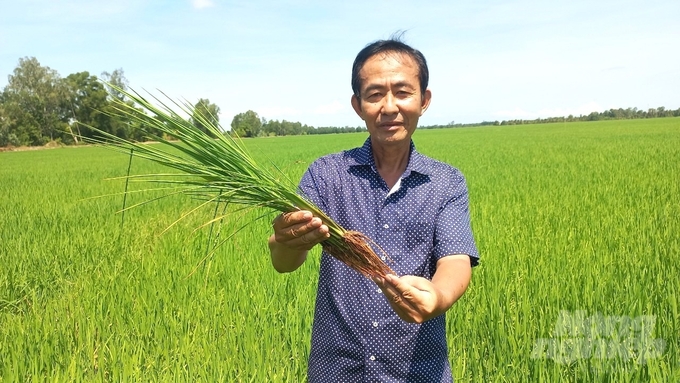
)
(389, 104)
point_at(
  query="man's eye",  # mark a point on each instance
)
(374, 96)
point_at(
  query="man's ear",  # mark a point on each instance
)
(356, 105)
(427, 97)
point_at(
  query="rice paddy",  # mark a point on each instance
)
(576, 225)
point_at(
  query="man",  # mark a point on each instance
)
(413, 207)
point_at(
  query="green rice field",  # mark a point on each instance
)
(577, 225)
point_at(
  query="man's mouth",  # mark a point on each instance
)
(390, 124)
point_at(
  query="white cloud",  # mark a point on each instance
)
(201, 4)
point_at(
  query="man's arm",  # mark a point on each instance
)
(294, 234)
(416, 299)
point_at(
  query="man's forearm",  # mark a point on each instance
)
(451, 280)
(285, 259)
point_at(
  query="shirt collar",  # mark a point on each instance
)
(363, 156)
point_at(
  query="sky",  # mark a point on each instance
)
(289, 59)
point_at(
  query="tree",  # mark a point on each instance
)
(7, 137)
(87, 99)
(205, 113)
(122, 126)
(272, 128)
(246, 124)
(118, 80)
(34, 101)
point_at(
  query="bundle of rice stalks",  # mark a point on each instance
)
(217, 168)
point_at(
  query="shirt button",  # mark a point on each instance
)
(375, 324)
(383, 257)
(378, 291)
(372, 357)
(386, 226)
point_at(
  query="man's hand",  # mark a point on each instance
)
(416, 299)
(294, 234)
(299, 230)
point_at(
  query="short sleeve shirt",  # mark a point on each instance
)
(356, 336)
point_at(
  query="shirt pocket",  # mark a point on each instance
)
(417, 239)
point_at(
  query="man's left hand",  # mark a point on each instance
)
(413, 298)
(416, 299)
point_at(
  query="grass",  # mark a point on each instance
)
(568, 218)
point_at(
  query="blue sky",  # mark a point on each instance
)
(489, 60)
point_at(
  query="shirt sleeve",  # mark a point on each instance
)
(453, 232)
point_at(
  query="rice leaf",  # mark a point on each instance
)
(217, 168)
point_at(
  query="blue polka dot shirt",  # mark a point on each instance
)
(356, 336)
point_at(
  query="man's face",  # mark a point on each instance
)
(390, 99)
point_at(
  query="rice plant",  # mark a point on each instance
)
(216, 167)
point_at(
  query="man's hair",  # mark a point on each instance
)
(391, 45)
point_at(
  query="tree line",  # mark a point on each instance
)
(250, 124)
(38, 106)
(611, 114)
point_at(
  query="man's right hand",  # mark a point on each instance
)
(294, 234)
(299, 230)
